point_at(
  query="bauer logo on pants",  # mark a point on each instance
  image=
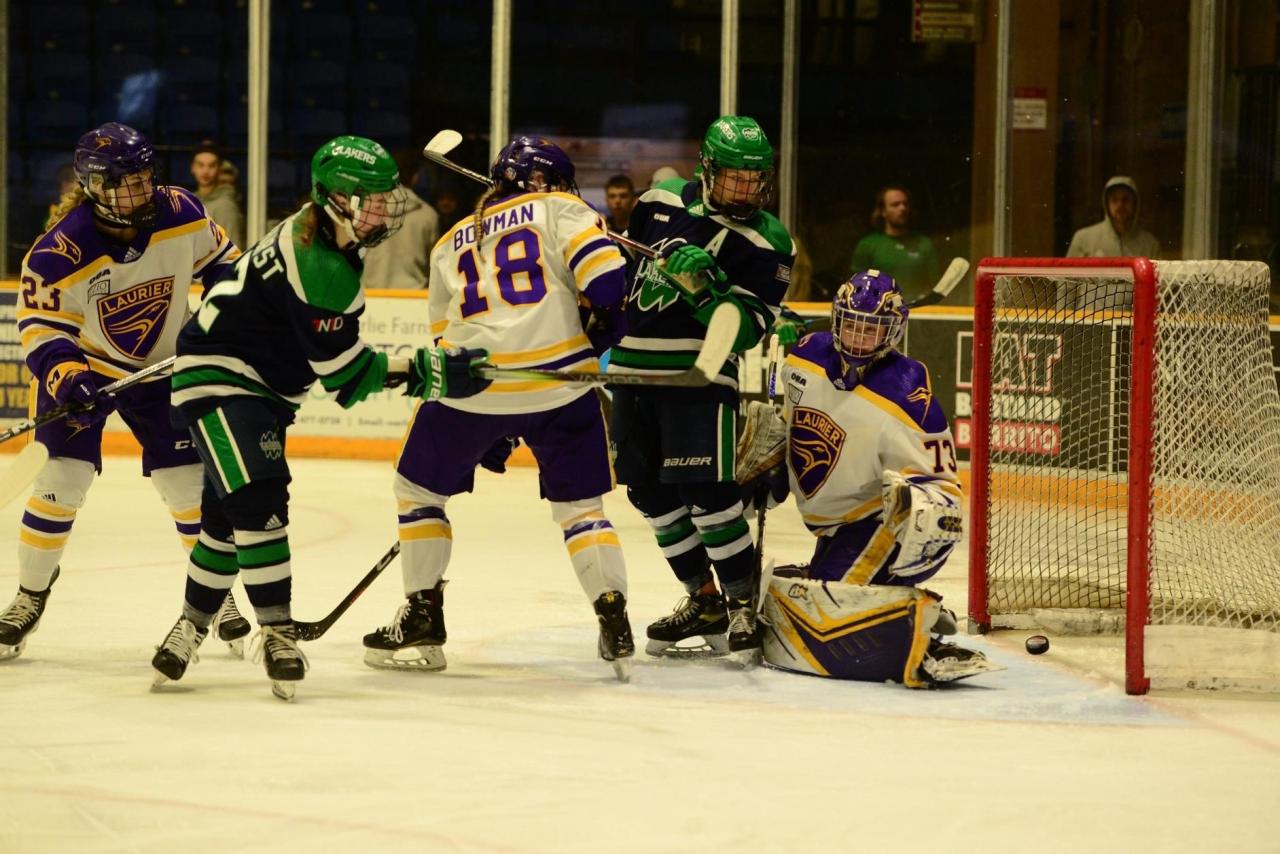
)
(133, 319)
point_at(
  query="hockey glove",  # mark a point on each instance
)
(495, 459)
(70, 383)
(695, 275)
(789, 327)
(437, 372)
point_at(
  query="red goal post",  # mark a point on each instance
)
(1149, 502)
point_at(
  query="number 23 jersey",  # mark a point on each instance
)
(518, 294)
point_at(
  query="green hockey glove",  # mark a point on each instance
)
(695, 275)
(437, 372)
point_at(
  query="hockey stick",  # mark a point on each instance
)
(954, 273)
(22, 472)
(722, 331)
(761, 497)
(312, 631)
(29, 424)
(447, 140)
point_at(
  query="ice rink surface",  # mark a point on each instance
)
(527, 743)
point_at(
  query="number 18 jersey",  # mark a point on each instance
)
(517, 293)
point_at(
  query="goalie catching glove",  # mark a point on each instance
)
(762, 451)
(926, 522)
(436, 372)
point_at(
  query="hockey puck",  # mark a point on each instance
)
(1037, 644)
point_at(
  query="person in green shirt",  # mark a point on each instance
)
(893, 248)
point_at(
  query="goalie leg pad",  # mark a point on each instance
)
(847, 631)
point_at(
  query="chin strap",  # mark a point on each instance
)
(340, 220)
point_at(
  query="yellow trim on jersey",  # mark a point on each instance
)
(38, 313)
(178, 231)
(580, 238)
(600, 538)
(76, 275)
(110, 369)
(31, 333)
(439, 326)
(890, 408)
(863, 510)
(602, 256)
(538, 354)
(797, 361)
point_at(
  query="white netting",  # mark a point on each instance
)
(1060, 424)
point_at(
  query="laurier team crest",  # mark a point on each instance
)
(133, 319)
(815, 445)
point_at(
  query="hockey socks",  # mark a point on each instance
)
(265, 569)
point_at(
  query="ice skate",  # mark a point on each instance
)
(178, 650)
(231, 626)
(616, 644)
(946, 662)
(414, 638)
(22, 618)
(744, 632)
(277, 648)
(702, 617)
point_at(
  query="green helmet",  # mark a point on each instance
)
(358, 168)
(736, 142)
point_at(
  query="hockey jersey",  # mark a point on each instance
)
(287, 314)
(517, 294)
(840, 442)
(663, 336)
(85, 299)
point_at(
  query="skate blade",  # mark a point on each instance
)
(622, 669)
(158, 680)
(284, 690)
(712, 646)
(8, 651)
(236, 647)
(427, 659)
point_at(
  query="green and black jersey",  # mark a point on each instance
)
(287, 315)
(663, 335)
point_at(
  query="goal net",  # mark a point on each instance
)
(1126, 463)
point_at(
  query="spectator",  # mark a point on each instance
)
(894, 248)
(449, 207)
(403, 259)
(219, 199)
(1118, 234)
(619, 198)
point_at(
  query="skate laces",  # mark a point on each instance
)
(228, 611)
(23, 608)
(279, 642)
(183, 640)
(393, 629)
(742, 620)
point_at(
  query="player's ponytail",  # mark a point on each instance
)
(70, 200)
(478, 220)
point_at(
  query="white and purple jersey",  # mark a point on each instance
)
(518, 294)
(841, 440)
(116, 308)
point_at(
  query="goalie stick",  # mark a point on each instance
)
(313, 631)
(722, 331)
(950, 278)
(438, 147)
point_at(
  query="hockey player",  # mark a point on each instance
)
(103, 294)
(511, 280)
(285, 316)
(676, 446)
(870, 459)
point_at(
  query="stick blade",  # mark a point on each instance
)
(955, 271)
(22, 472)
(443, 142)
(722, 331)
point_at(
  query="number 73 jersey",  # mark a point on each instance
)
(518, 293)
(840, 441)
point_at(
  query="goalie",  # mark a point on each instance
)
(869, 456)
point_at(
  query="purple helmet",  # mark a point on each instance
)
(115, 166)
(524, 155)
(868, 317)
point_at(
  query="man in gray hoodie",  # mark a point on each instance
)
(1118, 234)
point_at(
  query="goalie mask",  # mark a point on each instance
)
(868, 318)
(735, 167)
(535, 165)
(357, 183)
(115, 166)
